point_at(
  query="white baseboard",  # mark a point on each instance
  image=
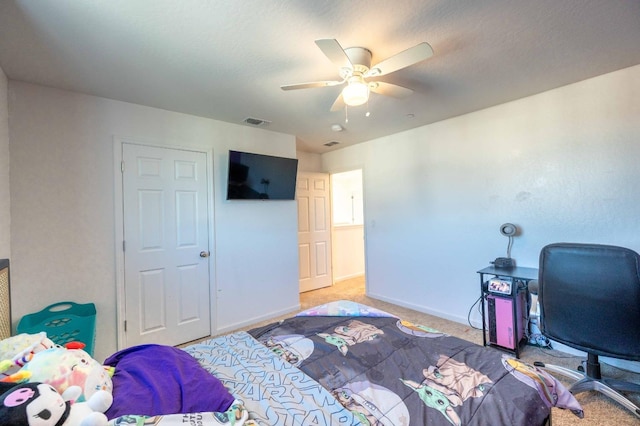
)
(621, 363)
(348, 277)
(254, 320)
(615, 362)
(419, 308)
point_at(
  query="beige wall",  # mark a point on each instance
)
(348, 251)
(309, 162)
(63, 208)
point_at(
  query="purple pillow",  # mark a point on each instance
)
(155, 379)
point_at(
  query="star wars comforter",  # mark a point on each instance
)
(273, 391)
(385, 371)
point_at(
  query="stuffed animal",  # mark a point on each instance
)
(39, 404)
(18, 350)
(62, 368)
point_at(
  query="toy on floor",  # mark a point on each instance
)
(39, 404)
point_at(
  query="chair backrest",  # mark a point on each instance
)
(589, 298)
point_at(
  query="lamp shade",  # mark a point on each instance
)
(355, 93)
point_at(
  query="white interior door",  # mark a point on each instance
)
(166, 263)
(314, 230)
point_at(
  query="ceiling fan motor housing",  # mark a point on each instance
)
(360, 58)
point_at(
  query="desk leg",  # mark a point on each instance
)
(482, 301)
(515, 300)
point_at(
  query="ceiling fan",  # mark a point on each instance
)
(354, 67)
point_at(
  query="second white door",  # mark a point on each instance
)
(314, 230)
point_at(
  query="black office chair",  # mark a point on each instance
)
(589, 297)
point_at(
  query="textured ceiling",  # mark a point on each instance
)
(226, 59)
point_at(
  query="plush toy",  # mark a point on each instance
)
(39, 404)
(16, 351)
(62, 368)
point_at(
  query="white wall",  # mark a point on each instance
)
(348, 251)
(346, 198)
(562, 165)
(5, 217)
(309, 162)
(62, 189)
(348, 225)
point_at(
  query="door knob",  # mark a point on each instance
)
(204, 254)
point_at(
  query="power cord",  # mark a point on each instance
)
(469, 314)
(533, 339)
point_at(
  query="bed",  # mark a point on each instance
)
(344, 363)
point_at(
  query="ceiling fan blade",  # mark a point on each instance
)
(310, 85)
(338, 104)
(408, 57)
(332, 50)
(388, 89)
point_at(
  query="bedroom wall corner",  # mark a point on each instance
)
(309, 162)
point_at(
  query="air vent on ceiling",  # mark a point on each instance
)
(256, 121)
(332, 143)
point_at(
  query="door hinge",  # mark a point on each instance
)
(124, 246)
(125, 325)
(122, 166)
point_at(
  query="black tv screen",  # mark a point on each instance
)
(261, 177)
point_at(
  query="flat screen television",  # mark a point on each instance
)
(261, 177)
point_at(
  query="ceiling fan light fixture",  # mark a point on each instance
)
(355, 93)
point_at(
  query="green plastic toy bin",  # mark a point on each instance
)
(63, 322)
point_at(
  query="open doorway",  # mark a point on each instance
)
(330, 229)
(348, 254)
